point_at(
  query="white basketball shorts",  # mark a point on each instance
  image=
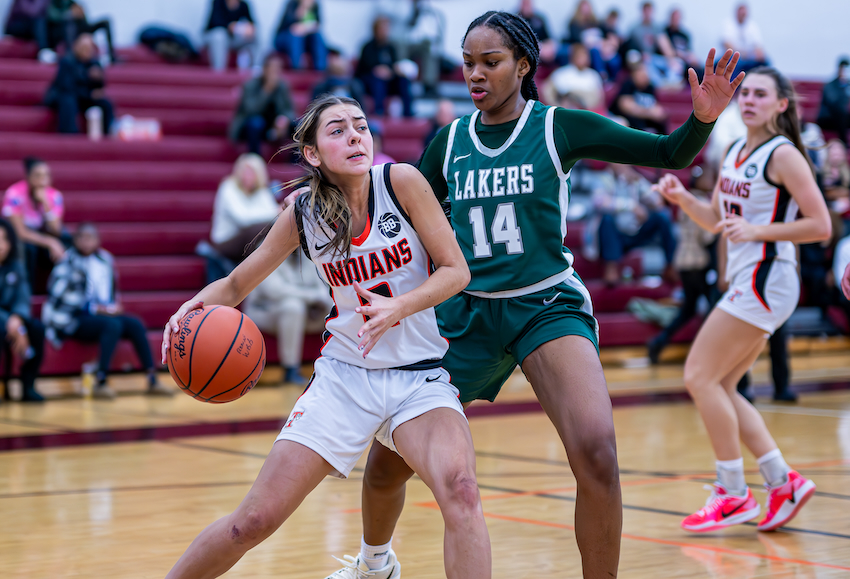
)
(345, 407)
(764, 294)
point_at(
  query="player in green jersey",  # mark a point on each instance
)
(505, 172)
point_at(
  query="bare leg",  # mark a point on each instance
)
(723, 346)
(438, 446)
(290, 473)
(567, 377)
(383, 493)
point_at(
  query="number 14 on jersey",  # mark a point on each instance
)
(504, 230)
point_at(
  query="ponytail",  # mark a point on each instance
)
(520, 38)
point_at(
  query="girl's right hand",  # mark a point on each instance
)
(173, 325)
(671, 189)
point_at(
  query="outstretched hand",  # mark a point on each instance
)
(717, 88)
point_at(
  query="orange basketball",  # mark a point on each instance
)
(217, 355)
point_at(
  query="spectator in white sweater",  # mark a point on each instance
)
(289, 303)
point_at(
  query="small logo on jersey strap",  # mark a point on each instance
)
(458, 158)
(751, 171)
(389, 225)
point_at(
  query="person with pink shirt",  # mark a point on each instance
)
(36, 210)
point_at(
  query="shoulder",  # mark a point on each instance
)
(404, 176)
(16, 189)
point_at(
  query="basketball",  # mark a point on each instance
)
(217, 355)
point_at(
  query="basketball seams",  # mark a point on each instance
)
(223, 358)
(253, 370)
(176, 375)
(192, 349)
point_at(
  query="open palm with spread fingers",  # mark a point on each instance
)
(717, 88)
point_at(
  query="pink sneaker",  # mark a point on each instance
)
(785, 501)
(722, 510)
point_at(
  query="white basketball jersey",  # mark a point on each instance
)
(745, 190)
(388, 258)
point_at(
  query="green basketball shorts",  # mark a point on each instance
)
(488, 338)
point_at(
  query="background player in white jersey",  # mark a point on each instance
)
(354, 397)
(763, 181)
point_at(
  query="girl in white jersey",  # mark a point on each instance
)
(766, 181)
(370, 231)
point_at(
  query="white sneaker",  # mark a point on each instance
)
(355, 569)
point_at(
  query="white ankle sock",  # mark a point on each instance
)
(773, 468)
(375, 557)
(730, 473)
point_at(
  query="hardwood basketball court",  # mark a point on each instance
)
(118, 489)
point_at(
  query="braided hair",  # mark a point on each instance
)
(519, 37)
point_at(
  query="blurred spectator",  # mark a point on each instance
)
(692, 260)
(379, 157)
(840, 262)
(811, 136)
(630, 215)
(663, 66)
(742, 34)
(576, 86)
(35, 209)
(292, 301)
(231, 27)
(537, 22)
(244, 205)
(24, 333)
(64, 21)
(728, 128)
(299, 30)
(78, 86)
(602, 42)
(834, 114)
(636, 102)
(680, 40)
(416, 31)
(834, 177)
(83, 305)
(265, 111)
(444, 115)
(379, 70)
(26, 21)
(339, 80)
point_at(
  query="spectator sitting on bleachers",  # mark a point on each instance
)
(299, 30)
(83, 305)
(840, 269)
(602, 42)
(231, 27)
(78, 86)
(292, 301)
(664, 68)
(834, 114)
(680, 41)
(636, 101)
(576, 86)
(742, 34)
(379, 157)
(265, 111)
(27, 21)
(379, 70)
(537, 22)
(444, 115)
(339, 80)
(630, 215)
(834, 177)
(35, 209)
(64, 21)
(243, 207)
(24, 334)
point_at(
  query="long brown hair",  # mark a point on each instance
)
(325, 203)
(788, 122)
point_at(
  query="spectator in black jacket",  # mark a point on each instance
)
(834, 114)
(637, 103)
(380, 72)
(338, 79)
(299, 29)
(78, 86)
(26, 18)
(231, 27)
(265, 110)
(24, 334)
(537, 22)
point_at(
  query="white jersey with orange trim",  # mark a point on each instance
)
(746, 190)
(388, 258)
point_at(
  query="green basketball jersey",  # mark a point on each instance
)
(509, 205)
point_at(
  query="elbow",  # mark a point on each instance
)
(464, 277)
(824, 230)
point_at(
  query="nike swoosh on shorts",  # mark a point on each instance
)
(552, 299)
